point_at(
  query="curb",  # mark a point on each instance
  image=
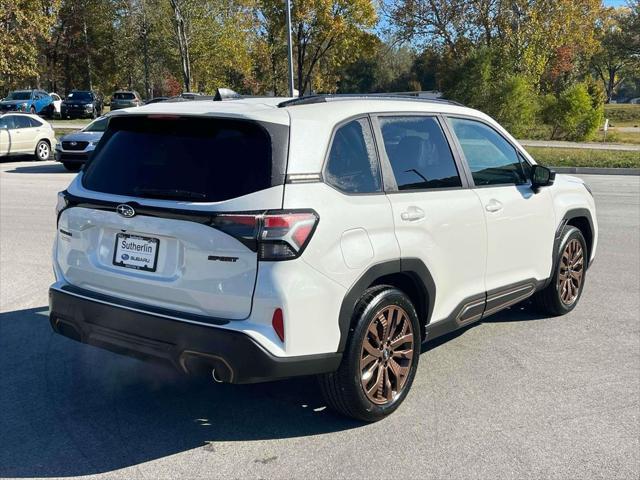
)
(597, 171)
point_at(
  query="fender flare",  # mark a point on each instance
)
(412, 266)
(568, 216)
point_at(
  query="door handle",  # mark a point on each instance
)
(412, 214)
(493, 206)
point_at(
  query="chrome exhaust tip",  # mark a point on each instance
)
(215, 378)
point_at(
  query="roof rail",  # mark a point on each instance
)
(325, 98)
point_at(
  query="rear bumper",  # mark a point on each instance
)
(192, 348)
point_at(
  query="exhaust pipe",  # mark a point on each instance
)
(203, 364)
(215, 378)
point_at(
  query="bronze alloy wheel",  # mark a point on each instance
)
(387, 354)
(571, 272)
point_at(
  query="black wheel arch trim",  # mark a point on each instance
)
(413, 267)
(568, 216)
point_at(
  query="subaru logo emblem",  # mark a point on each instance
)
(73, 144)
(125, 210)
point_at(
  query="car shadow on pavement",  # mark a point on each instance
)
(40, 168)
(70, 409)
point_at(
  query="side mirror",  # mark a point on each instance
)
(541, 176)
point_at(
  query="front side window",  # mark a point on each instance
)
(352, 165)
(491, 159)
(419, 153)
(6, 121)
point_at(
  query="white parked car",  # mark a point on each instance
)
(259, 239)
(23, 133)
(56, 105)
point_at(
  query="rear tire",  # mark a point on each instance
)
(43, 151)
(564, 291)
(72, 167)
(380, 360)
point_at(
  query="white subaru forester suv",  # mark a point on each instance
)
(259, 239)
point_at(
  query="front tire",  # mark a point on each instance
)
(564, 291)
(380, 360)
(43, 151)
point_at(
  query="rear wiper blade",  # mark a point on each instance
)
(174, 193)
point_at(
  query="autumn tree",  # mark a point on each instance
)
(326, 34)
(24, 27)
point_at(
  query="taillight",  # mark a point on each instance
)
(274, 235)
(285, 235)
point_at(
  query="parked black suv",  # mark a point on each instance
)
(82, 104)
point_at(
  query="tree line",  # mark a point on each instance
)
(522, 61)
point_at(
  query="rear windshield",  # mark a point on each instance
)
(124, 96)
(198, 160)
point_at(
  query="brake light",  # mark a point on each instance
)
(274, 235)
(284, 236)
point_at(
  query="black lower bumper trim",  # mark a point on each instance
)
(195, 349)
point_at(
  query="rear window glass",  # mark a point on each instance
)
(124, 96)
(194, 160)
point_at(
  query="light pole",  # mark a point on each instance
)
(289, 48)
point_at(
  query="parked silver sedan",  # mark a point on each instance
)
(74, 149)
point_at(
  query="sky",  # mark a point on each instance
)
(614, 3)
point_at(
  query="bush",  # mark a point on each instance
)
(480, 83)
(574, 114)
(514, 105)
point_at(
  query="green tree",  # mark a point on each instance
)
(573, 114)
(619, 54)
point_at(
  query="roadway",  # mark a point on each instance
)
(519, 395)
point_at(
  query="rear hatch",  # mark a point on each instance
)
(163, 214)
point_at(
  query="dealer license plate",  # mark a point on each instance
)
(134, 251)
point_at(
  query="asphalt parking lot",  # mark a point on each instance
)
(516, 396)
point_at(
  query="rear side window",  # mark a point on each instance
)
(491, 159)
(22, 122)
(419, 153)
(198, 160)
(353, 165)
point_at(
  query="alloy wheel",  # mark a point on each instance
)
(571, 272)
(387, 355)
(43, 151)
